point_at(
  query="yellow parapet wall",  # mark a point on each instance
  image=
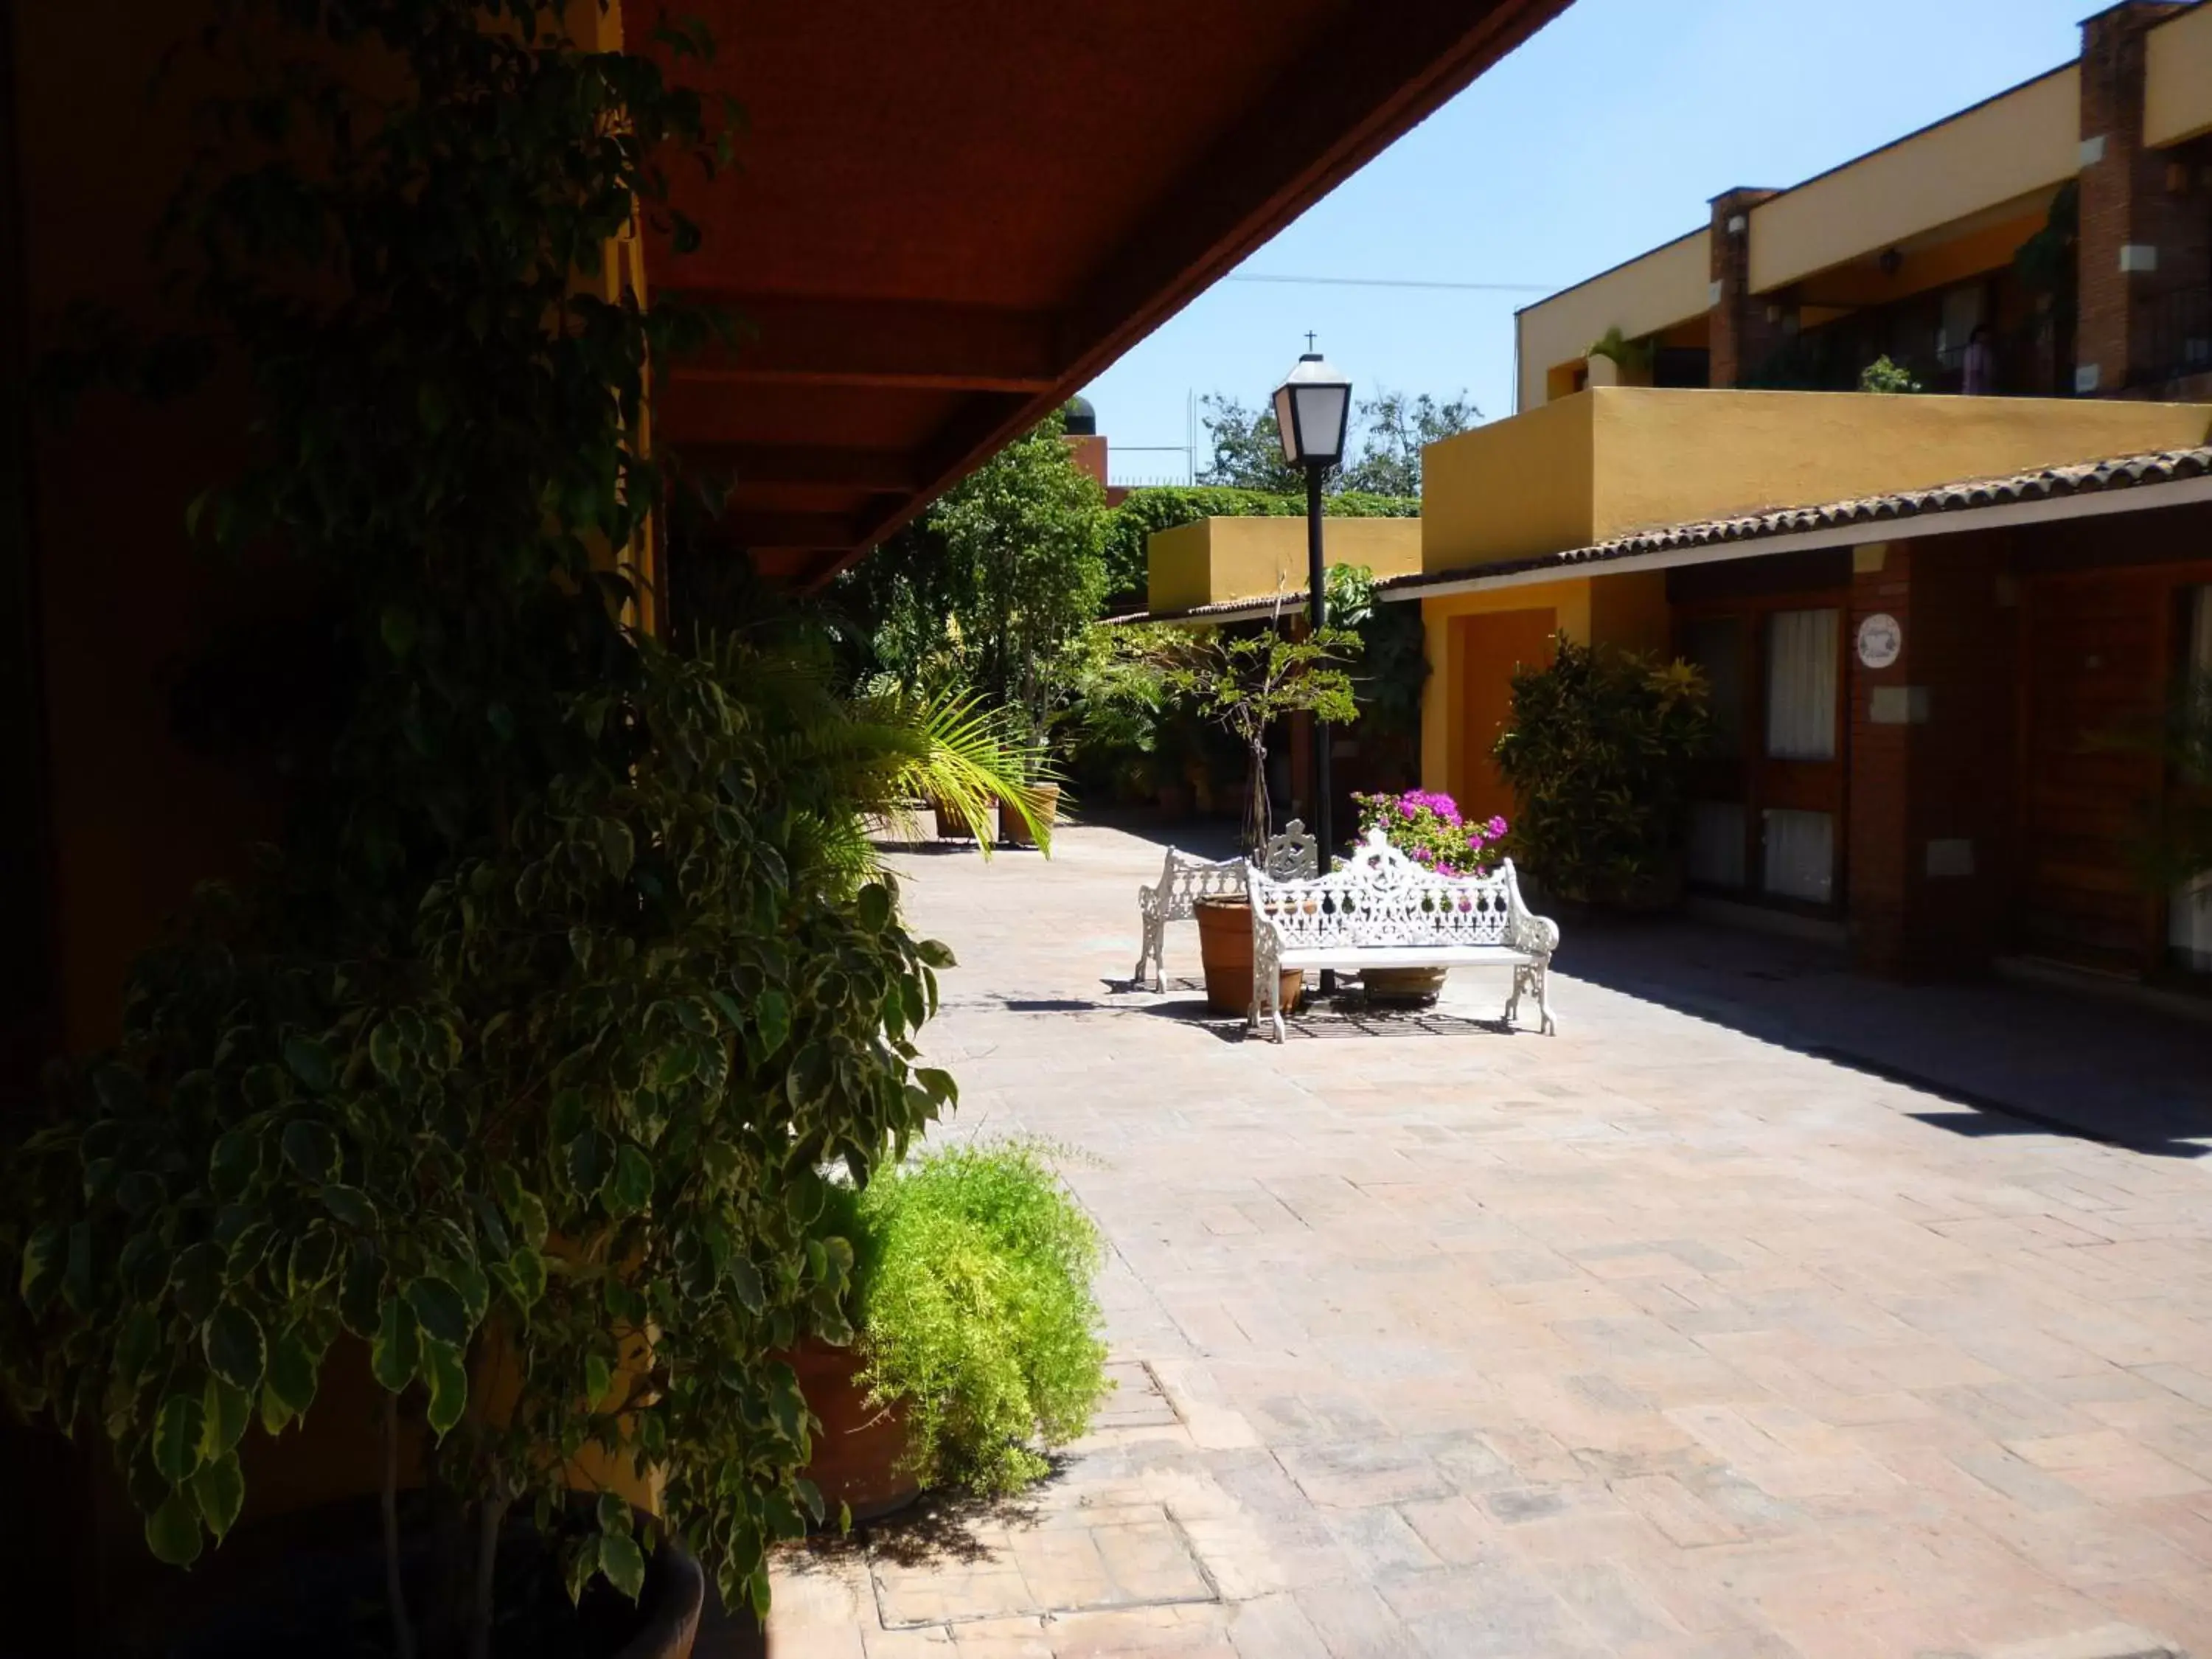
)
(2178, 79)
(1215, 561)
(1666, 286)
(2020, 142)
(1617, 458)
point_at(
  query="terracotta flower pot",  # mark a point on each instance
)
(950, 826)
(1010, 821)
(858, 1453)
(1225, 946)
(1403, 984)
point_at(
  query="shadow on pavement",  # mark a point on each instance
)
(2016, 1059)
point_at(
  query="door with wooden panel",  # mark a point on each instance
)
(1488, 649)
(2095, 675)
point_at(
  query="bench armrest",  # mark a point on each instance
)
(1524, 929)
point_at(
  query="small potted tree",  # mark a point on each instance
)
(1243, 682)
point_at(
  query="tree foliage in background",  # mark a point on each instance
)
(1023, 539)
(990, 592)
(1393, 428)
(1598, 753)
(522, 1051)
(1246, 448)
(1383, 446)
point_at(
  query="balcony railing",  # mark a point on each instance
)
(2173, 335)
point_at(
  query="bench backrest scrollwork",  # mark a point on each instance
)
(1379, 896)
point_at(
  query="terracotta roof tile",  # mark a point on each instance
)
(2045, 484)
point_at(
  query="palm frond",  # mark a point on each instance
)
(963, 755)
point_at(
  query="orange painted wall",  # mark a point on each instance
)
(123, 601)
(135, 817)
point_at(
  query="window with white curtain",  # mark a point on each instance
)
(1801, 685)
(2188, 925)
(1799, 861)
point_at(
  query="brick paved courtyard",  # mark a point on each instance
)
(1653, 1339)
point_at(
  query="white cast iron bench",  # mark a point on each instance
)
(1380, 909)
(1184, 880)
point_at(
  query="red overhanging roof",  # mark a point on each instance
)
(946, 220)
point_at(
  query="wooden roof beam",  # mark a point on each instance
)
(887, 472)
(801, 532)
(907, 344)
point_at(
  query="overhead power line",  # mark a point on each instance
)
(1392, 281)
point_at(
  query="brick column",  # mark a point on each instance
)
(1741, 334)
(2131, 225)
(1931, 815)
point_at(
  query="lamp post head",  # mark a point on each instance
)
(1312, 408)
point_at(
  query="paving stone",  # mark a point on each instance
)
(2105, 1642)
(1355, 1474)
(1659, 1337)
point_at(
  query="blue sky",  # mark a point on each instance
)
(1602, 138)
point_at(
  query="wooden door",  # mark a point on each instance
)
(1485, 651)
(2095, 680)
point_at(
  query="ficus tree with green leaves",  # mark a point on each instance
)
(521, 1053)
(1243, 679)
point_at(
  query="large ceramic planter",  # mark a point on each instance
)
(950, 826)
(1225, 946)
(1048, 806)
(1415, 985)
(858, 1454)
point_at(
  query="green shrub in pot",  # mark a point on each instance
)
(1598, 752)
(974, 1309)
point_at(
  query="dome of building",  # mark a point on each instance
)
(1082, 419)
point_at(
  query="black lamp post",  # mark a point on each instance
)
(1312, 407)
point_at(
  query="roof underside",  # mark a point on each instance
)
(944, 222)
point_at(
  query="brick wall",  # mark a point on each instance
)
(1932, 759)
(1742, 334)
(1880, 785)
(2127, 205)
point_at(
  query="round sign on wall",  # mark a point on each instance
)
(1881, 639)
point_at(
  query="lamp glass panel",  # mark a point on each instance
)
(1321, 409)
(1283, 428)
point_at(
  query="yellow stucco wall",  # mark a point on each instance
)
(1215, 560)
(2178, 79)
(1511, 488)
(1629, 611)
(1618, 458)
(1444, 697)
(2025, 140)
(1669, 285)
